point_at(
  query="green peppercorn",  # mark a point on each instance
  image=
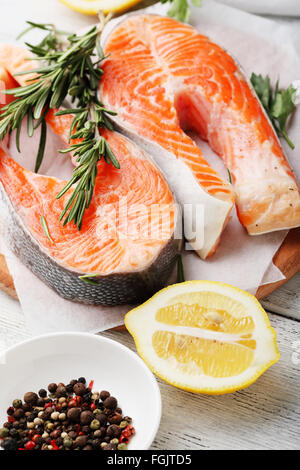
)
(114, 441)
(67, 442)
(123, 424)
(4, 432)
(17, 403)
(97, 412)
(122, 446)
(95, 424)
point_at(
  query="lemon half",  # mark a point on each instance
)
(92, 7)
(204, 337)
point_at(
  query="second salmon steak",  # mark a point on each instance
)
(164, 78)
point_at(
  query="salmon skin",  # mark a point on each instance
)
(126, 246)
(163, 78)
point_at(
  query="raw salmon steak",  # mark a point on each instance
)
(126, 244)
(163, 78)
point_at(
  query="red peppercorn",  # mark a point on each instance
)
(31, 433)
(11, 419)
(54, 445)
(93, 406)
(36, 438)
(77, 428)
(29, 445)
(91, 384)
(48, 405)
(78, 400)
(72, 403)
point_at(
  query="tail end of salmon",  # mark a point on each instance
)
(274, 205)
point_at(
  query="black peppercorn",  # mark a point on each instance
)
(110, 402)
(61, 391)
(52, 387)
(30, 417)
(96, 443)
(86, 417)
(104, 394)
(42, 393)
(82, 380)
(113, 430)
(10, 444)
(13, 432)
(87, 396)
(69, 387)
(19, 413)
(110, 447)
(85, 429)
(26, 407)
(115, 418)
(81, 441)
(102, 419)
(30, 398)
(79, 389)
(74, 414)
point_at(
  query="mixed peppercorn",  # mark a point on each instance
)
(70, 417)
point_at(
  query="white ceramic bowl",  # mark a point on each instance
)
(35, 363)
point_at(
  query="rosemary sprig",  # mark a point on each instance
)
(70, 68)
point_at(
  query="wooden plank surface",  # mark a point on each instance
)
(287, 259)
(286, 299)
(6, 281)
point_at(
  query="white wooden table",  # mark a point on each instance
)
(264, 416)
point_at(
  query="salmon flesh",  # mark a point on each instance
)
(163, 78)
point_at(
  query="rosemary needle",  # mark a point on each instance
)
(180, 270)
(229, 176)
(87, 278)
(45, 228)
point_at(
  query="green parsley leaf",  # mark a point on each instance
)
(279, 104)
(180, 9)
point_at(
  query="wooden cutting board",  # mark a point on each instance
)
(287, 259)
